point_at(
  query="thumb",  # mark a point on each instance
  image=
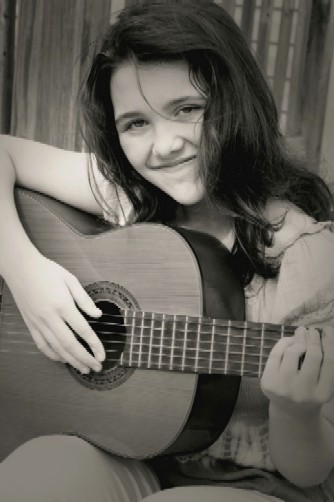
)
(82, 298)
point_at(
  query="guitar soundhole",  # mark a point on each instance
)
(110, 298)
(111, 331)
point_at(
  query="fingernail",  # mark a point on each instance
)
(300, 332)
(313, 334)
(100, 357)
(328, 331)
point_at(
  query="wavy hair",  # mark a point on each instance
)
(244, 159)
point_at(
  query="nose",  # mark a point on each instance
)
(167, 140)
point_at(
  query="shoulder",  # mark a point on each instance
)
(117, 208)
(297, 228)
(303, 291)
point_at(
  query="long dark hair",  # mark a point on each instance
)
(244, 159)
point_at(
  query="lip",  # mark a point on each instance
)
(174, 164)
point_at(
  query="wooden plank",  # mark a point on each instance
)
(282, 51)
(320, 50)
(7, 44)
(294, 118)
(95, 23)
(247, 19)
(228, 5)
(264, 32)
(49, 56)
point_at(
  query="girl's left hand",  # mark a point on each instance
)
(299, 374)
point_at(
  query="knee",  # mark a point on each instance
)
(44, 466)
(180, 494)
(68, 468)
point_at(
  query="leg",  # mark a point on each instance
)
(209, 494)
(68, 469)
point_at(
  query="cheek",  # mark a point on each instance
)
(196, 132)
(135, 150)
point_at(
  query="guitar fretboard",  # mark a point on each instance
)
(198, 344)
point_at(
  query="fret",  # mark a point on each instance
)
(133, 328)
(121, 359)
(185, 343)
(151, 341)
(228, 334)
(173, 344)
(197, 344)
(282, 331)
(244, 335)
(213, 329)
(141, 335)
(261, 351)
(161, 339)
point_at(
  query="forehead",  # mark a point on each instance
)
(152, 84)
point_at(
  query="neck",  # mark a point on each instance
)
(206, 217)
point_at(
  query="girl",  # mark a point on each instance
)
(182, 128)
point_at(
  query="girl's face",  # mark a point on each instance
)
(158, 115)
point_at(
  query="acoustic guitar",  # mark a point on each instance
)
(172, 326)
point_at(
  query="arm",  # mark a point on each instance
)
(301, 418)
(63, 175)
(43, 168)
(301, 435)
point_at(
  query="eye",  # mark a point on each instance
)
(190, 110)
(135, 125)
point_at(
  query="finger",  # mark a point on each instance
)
(73, 346)
(44, 347)
(276, 354)
(81, 297)
(292, 355)
(63, 342)
(300, 333)
(311, 366)
(326, 378)
(82, 329)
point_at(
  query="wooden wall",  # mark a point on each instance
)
(53, 38)
(292, 39)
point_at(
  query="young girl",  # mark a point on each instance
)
(182, 129)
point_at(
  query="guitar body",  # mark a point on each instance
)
(138, 413)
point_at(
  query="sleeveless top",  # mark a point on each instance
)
(302, 293)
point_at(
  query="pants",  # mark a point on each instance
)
(68, 469)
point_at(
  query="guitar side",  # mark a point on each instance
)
(139, 413)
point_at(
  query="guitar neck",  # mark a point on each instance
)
(198, 344)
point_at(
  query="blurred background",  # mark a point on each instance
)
(45, 43)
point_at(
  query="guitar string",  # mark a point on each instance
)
(175, 364)
(236, 324)
(167, 354)
(233, 340)
(228, 325)
(236, 331)
(149, 343)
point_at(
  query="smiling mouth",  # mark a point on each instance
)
(173, 164)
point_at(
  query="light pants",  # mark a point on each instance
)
(68, 469)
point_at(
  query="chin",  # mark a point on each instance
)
(190, 200)
(189, 197)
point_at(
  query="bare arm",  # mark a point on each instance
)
(63, 175)
(59, 173)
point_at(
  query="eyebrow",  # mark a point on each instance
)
(173, 102)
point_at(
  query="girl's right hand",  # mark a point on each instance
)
(48, 297)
